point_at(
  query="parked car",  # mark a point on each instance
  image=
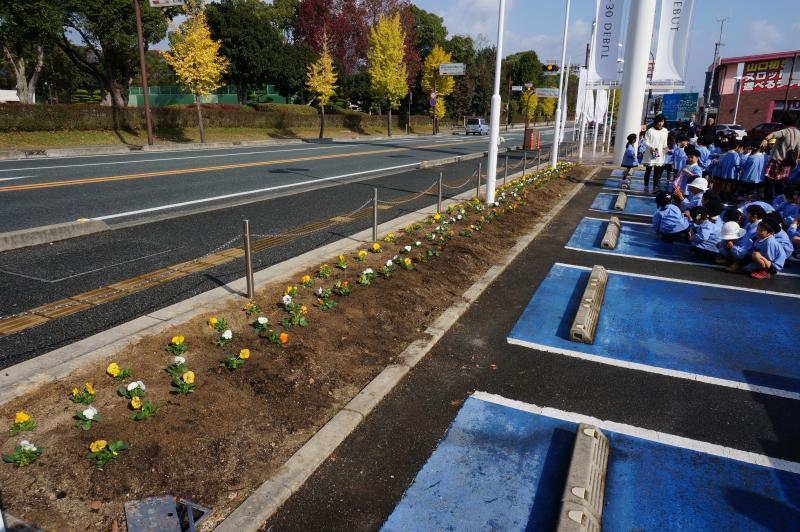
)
(477, 126)
(758, 133)
(735, 129)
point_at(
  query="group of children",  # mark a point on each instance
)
(756, 237)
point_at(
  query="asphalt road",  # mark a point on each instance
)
(38, 275)
(361, 483)
(124, 188)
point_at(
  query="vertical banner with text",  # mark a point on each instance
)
(608, 34)
(673, 40)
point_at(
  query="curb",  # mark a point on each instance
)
(49, 233)
(30, 374)
(256, 510)
(53, 233)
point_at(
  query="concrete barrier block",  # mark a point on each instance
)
(582, 499)
(585, 323)
(622, 201)
(49, 233)
(611, 235)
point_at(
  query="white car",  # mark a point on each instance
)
(734, 128)
(477, 126)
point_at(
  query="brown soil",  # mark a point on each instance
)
(215, 446)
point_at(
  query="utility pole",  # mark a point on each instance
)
(494, 124)
(556, 128)
(143, 68)
(717, 46)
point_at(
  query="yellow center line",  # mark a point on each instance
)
(125, 177)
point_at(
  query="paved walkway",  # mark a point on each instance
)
(679, 378)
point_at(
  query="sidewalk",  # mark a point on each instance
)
(361, 484)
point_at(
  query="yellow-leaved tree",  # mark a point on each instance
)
(321, 81)
(548, 108)
(432, 81)
(194, 56)
(529, 102)
(387, 67)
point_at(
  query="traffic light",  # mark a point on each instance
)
(550, 69)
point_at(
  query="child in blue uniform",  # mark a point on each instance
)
(668, 220)
(697, 188)
(688, 172)
(734, 246)
(629, 160)
(753, 214)
(753, 171)
(704, 157)
(780, 235)
(703, 237)
(768, 256)
(726, 172)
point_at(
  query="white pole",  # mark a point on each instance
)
(583, 133)
(611, 118)
(634, 76)
(566, 101)
(738, 93)
(557, 132)
(494, 125)
(596, 124)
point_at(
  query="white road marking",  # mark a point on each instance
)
(17, 177)
(684, 281)
(645, 434)
(656, 370)
(247, 192)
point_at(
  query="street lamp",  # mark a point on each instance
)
(494, 125)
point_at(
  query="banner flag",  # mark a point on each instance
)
(673, 40)
(579, 104)
(600, 105)
(607, 36)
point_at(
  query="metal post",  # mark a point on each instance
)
(524, 162)
(505, 171)
(478, 188)
(439, 200)
(494, 119)
(248, 260)
(539, 156)
(561, 101)
(375, 215)
(143, 68)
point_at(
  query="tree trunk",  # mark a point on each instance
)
(321, 120)
(26, 86)
(200, 118)
(389, 120)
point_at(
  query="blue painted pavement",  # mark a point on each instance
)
(672, 327)
(504, 468)
(637, 185)
(640, 241)
(634, 173)
(635, 206)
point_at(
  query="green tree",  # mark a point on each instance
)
(387, 69)
(249, 40)
(283, 14)
(27, 30)
(321, 81)
(194, 56)
(106, 35)
(429, 30)
(291, 66)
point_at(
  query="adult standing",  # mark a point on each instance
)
(691, 126)
(783, 157)
(655, 146)
(707, 132)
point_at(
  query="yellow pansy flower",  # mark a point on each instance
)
(178, 340)
(188, 377)
(212, 321)
(113, 369)
(136, 403)
(21, 417)
(75, 392)
(407, 261)
(89, 388)
(304, 309)
(437, 217)
(98, 445)
(244, 354)
(376, 247)
(306, 279)
(362, 253)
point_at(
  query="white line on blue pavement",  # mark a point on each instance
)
(651, 325)
(643, 206)
(249, 192)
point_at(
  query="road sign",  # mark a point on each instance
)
(516, 88)
(548, 92)
(451, 69)
(166, 3)
(679, 106)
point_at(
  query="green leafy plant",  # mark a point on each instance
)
(23, 455)
(103, 452)
(84, 418)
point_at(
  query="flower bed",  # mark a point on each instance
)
(210, 409)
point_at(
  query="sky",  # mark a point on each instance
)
(538, 25)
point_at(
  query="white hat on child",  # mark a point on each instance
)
(731, 231)
(699, 183)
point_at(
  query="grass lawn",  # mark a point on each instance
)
(66, 139)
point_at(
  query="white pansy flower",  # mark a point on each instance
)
(438, 227)
(287, 299)
(27, 446)
(262, 320)
(459, 217)
(90, 412)
(418, 243)
(408, 248)
(227, 335)
(132, 386)
(389, 262)
(319, 290)
(462, 211)
(369, 270)
(178, 361)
